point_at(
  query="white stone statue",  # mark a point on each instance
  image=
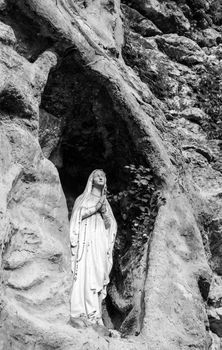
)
(92, 234)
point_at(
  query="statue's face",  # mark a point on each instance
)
(99, 178)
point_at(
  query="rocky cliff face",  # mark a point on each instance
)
(104, 84)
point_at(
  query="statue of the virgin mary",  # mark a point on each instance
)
(92, 234)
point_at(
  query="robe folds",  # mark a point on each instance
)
(91, 245)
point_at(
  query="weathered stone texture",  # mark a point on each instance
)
(135, 71)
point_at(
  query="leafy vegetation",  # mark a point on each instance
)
(135, 208)
(210, 100)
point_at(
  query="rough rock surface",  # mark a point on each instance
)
(88, 84)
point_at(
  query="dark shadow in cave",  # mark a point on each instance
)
(92, 135)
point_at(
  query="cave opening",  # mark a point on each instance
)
(84, 130)
(80, 131)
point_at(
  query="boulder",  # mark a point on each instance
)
(215, 295)
(215, 319)
(193, 114)
(211, 37)
(181, 49)
(168, 17)
(7, 35)
(139, 23)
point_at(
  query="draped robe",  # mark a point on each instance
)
(92, 246)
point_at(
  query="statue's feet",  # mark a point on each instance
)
(114, 334)
(100, 329)
(78, 322)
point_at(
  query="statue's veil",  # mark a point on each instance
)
(76, 219)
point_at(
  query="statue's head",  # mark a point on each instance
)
(99, 178)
